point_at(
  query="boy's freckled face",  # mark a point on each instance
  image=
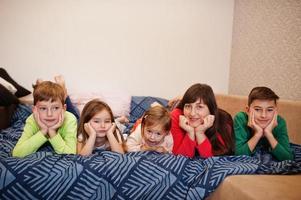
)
(49, 112)
(263, 110)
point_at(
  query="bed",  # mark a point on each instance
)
(109, 175)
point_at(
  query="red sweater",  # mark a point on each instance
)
(183, 145)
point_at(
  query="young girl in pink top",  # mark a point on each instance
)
(152, 133)
(199, 126)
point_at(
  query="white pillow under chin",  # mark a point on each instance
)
(8, 85)
(119, 102)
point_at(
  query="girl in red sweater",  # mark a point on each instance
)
(199, 127)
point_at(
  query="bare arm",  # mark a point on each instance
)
(85, 148)
(258, 132)
(115, 145)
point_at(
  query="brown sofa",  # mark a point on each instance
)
(249, 187)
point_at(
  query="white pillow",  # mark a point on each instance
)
(119, 102)
(8, 86)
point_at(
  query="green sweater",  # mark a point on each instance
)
(243, 134)
(32, 138)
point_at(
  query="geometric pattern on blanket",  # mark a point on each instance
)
(109, 175)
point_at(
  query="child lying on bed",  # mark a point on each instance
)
(152, 132)
(69, 105)
(50, 122)
(261, 126)
(97, 129)
(13, 93)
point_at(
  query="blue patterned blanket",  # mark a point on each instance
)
(109, 175)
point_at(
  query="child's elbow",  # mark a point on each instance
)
(121, 151)
(241, 151)
(66, 150)
(14, 153)
(290, 156)
(17, 153)
(84, 154)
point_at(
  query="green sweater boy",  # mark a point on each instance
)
(262, 126)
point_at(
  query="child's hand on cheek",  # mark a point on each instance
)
(268, 130)
(89, 129)
(42, 126)
(251, 123)
(112, 129)
(52, 130)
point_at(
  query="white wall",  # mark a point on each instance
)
(144, 47)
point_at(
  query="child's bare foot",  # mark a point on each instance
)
(38, 81)
(27, 100)
(123, 119)
(155, 104)
(61, 81)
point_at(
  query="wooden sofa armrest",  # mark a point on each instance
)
(258, 187)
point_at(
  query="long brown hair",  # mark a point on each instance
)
(223, 123)
(89, 111)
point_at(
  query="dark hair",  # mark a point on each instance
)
(262, 93)
(48, 90)
(157, 115)
(89, 111)
(223, 123)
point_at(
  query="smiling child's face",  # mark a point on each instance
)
(263, 110)
(49, 112)
(154, 135)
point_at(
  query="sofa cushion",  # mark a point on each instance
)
(258, 187)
